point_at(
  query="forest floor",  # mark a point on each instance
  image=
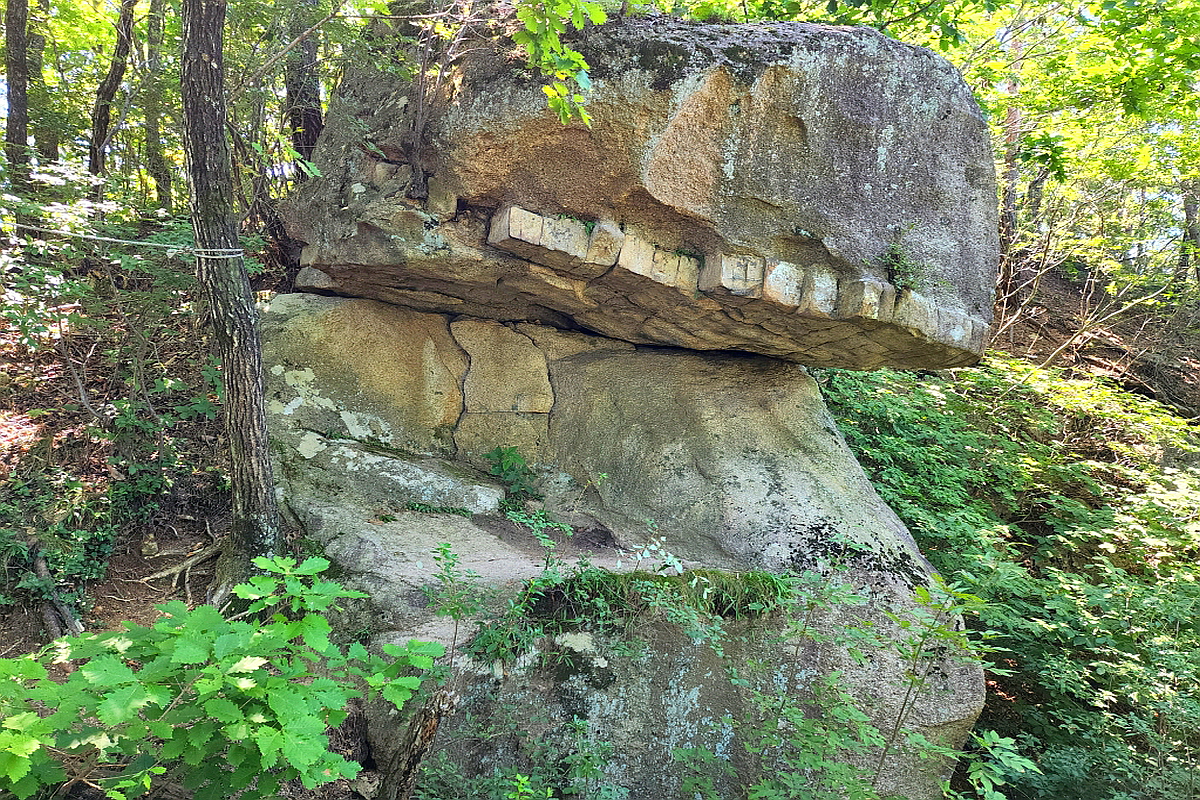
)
(1148, 352)
(43, 427)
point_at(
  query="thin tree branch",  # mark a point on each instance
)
(273, 60)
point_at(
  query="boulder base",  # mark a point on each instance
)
(727, 461)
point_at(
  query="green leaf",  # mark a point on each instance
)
(173, 746)
(24, 668)
(288, 703)
(200, 733)
(315, 632)
(595, 13)
(398, 690)
(15, 765)
(190, 648)
(107, 671)
(312, 566)
(162, 730)
(122, 705)
(233, 641)
(269, 741)
(21, 722)
(223, 710)
(302, 750)
(257, 587)
(30, 784)
(247, 664)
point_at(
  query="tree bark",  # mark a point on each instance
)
(1008, 278)
(1189, 248)
(226, 290)
(42, 123)
(156, 163)
(16, 129)
(303, 89)
(107, 91)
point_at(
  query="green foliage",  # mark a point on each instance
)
(544, 23)
(805, 736)
(1049, 498)
(457, 594)
(803, 732)
(69, 522)
(902, 270)
(511, 468)
(426, 509)
(251, 701)
(111, 321)
(993, 757)
(540, 523)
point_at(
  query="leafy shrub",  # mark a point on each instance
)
(1049, 498)
(250, 701)
(114, 324)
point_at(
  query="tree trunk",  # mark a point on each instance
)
(226, 289)
(16, 129)
(43, 123)
(156, 163)
(102, 111)
(1011, 176)
(1189, 248)
(303, 88)
(1008, 279)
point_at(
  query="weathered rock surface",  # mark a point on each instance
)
(733, 456)
(740, 188)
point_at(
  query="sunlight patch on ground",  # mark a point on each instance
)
(17, 432)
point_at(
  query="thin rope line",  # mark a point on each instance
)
(199, 252)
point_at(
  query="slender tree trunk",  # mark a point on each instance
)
(107, 91)
(1189, 248)
(42, 121)
(1011, 176)
(1034, 194)
(303, 88)
(156, 163)
(1008, 278)
(16, 129)
(255, 524)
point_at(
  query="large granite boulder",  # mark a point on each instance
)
(818, 194)
(629, 305)
(730, 461)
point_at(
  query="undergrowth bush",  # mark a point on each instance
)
(1068, 505)
(118, 381)
(803, 735)
(226, 707)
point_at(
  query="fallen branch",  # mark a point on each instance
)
(71, 623)
(212, 551)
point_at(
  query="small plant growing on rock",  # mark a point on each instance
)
(511, 468)
(903, 271)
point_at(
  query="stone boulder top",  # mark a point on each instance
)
(819, 194)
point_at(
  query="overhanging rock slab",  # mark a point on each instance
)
(819, 194)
